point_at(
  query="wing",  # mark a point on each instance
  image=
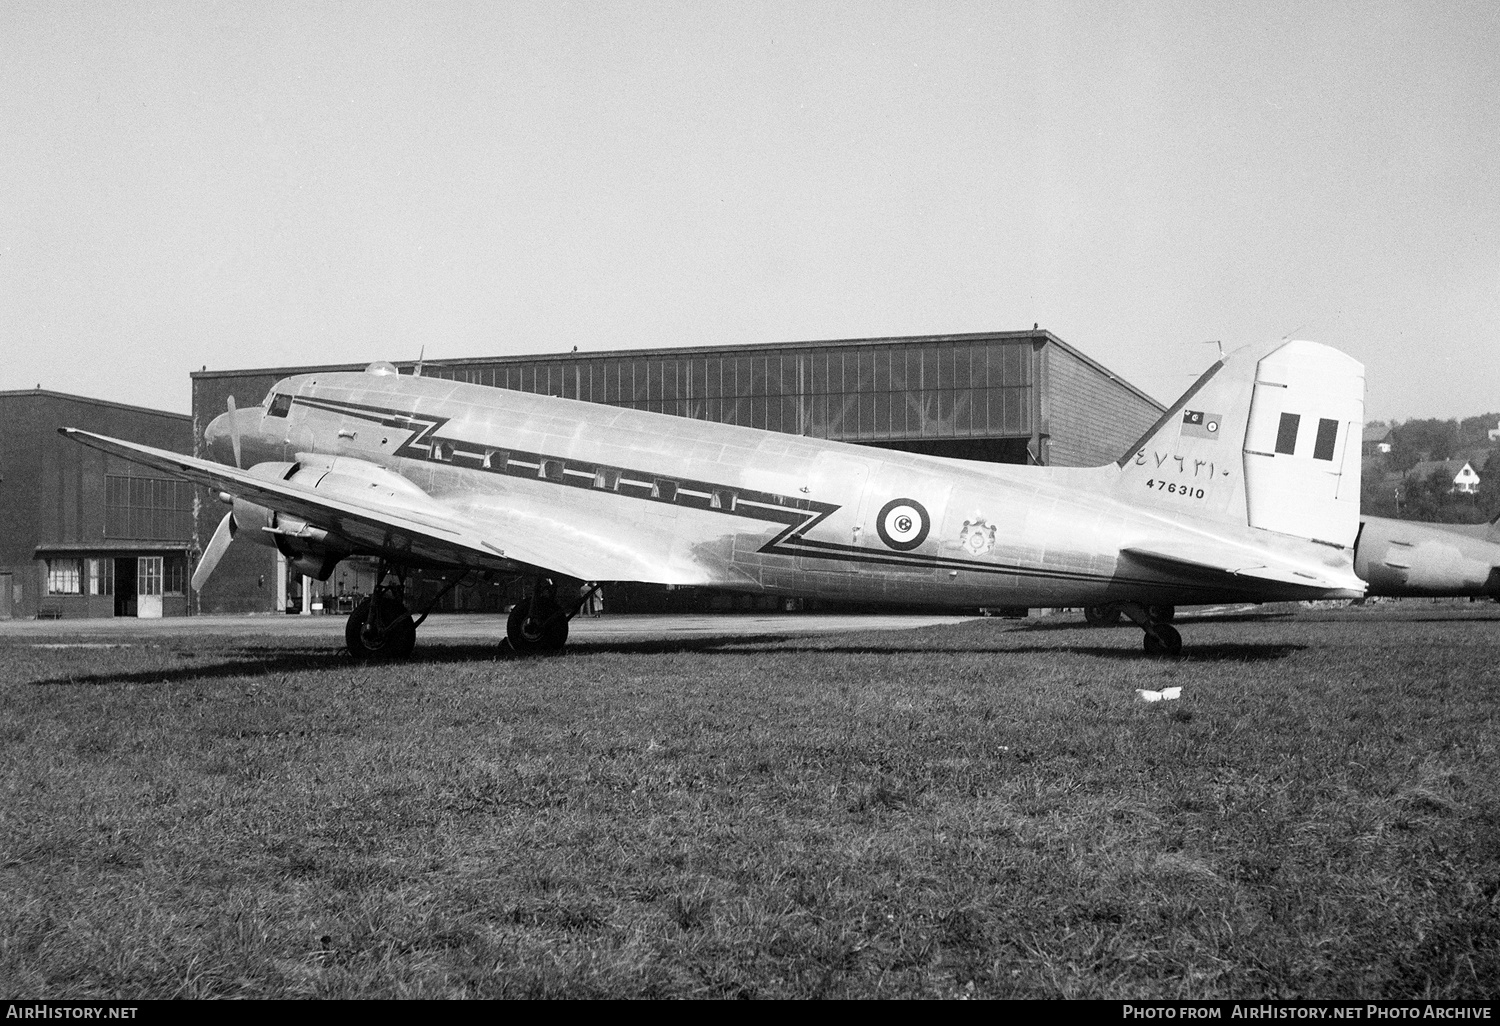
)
(409, 524)
(1208, 561)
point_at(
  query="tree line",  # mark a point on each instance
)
(1389, 489)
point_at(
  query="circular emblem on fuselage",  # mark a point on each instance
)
(903, 524)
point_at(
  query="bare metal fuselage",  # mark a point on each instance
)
(651, 497)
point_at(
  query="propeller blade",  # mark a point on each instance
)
(223, 535)
(234, 434)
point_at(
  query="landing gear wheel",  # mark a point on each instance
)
(536, 626)
(1163, 639)
(388, 633)
(1162, 614)
(1101, 616)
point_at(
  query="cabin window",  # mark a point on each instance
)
(281, 405)
(607, 479)
(551, 470)
(496, 459)
(443, 452)
(664, 490)
(723, 498)
(64, 576)
(1286, 433)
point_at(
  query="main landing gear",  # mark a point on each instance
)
(539, 624)
(1161, 638)
(1110, 616)
(381, 627)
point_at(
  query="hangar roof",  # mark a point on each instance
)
(47, 393)
(1035, 336)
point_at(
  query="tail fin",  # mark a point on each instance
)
(1268, 437)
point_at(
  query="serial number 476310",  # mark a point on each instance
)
(1172, 488)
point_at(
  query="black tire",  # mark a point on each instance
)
(1161, 614)
(531, 633)
(1165, 641)
(1101, 616)
(389, 634)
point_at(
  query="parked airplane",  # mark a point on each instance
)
(1247, 489)
(1405, 558)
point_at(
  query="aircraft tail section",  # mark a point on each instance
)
(1269, 437)
(1493, 534)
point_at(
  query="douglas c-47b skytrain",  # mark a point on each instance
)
(1246, 490)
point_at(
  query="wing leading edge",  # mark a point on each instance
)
(415, 526)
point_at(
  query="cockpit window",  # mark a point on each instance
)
(281, 403)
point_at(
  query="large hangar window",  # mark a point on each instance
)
(147, 508)
(849, 393)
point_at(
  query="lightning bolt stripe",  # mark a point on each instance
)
(797, 515)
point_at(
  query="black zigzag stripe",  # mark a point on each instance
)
(797, 515)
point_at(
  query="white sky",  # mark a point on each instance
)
(244, 185)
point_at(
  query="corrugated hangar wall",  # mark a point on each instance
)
(1008, 397)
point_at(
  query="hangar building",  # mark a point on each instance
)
(83, 533)
(1006, 397)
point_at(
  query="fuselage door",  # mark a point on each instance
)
(838, 480)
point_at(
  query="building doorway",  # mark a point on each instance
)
(125, 585)
(5, 594)
(148, 587)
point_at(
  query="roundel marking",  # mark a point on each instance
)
(903, 524)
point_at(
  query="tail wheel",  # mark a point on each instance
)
(536, 626)
(380, 629)
(1163, 639)
(1101, 616)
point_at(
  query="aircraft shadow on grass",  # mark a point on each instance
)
(1242, 653)
(270, 662)
(255, 661)
(1075, 625)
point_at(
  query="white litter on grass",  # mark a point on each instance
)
(1164, 695)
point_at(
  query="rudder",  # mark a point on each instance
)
(1302, 445)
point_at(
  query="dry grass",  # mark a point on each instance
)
(982, 810)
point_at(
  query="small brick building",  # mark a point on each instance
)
(83, 533)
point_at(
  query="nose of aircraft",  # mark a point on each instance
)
(219, 436)
(216, 439)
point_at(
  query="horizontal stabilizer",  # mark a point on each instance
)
(1206, 559)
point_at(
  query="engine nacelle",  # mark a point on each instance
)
(311, 551)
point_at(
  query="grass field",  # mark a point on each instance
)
(979, 810)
